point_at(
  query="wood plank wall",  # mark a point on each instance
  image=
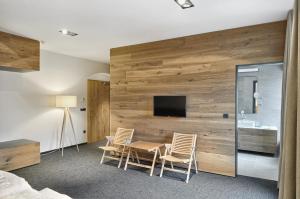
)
(97, 110)
(19, 53)
(201, 67)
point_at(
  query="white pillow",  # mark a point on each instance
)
(28, 194)
(50, 194)
(11, 184)
(15, 187)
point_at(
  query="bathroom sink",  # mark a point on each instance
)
(246, 123)
(251, 124)
(269, 127)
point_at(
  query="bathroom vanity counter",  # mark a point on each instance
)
(258, 139)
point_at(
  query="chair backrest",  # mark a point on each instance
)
(183, 144)
(123, 136)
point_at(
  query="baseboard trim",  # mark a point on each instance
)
(46, 152)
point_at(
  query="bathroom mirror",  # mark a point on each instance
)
(247, 89)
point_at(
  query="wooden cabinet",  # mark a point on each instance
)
(18, 154)
(257, 140)
(19, 53)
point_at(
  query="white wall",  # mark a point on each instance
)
(27, 99)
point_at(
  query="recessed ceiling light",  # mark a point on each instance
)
(184, 3)
(67, 32)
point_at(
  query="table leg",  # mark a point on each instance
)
(153, 163)
(137, 157)
(159, 152)
(128, 155)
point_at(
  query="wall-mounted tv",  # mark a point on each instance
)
(174, 106)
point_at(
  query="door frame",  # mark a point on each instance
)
(236, 112)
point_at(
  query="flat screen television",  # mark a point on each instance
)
(173, 106)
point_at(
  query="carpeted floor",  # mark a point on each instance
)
(79, 175)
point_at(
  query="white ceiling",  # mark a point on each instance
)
(104, 24)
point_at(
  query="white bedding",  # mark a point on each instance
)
(14, 187)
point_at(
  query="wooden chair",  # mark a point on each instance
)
(182, 150)
(117, 144)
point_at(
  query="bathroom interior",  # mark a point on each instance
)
(259, 98)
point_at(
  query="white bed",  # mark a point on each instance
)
(15, 187)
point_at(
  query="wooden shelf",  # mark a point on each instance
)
(18, 53)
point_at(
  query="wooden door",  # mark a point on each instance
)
(97, 110)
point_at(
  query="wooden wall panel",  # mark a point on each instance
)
(97, 110)
(19, 53)
(201, 67)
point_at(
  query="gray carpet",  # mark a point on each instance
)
(79, 175)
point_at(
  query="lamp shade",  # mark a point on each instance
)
(63, 101)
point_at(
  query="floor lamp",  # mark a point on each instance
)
(66, 102)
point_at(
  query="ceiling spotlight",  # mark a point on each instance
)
(184, 3)
(67, 32)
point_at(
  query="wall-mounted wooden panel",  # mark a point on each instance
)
(97, 110)
(19, 53)
(202, 67)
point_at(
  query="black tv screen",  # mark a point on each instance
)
(169, 106)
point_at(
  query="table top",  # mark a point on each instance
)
(147, 146)
(16, 143)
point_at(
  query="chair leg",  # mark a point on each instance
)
(189, 171)
(162, 167)
(195, 162)
(103, 155)
(127, 159)
(172, 166)
(121, 158)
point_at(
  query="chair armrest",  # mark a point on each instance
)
(168, 149)
(168, 146)
(127, 141)
(110, 138)
(162, 157)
